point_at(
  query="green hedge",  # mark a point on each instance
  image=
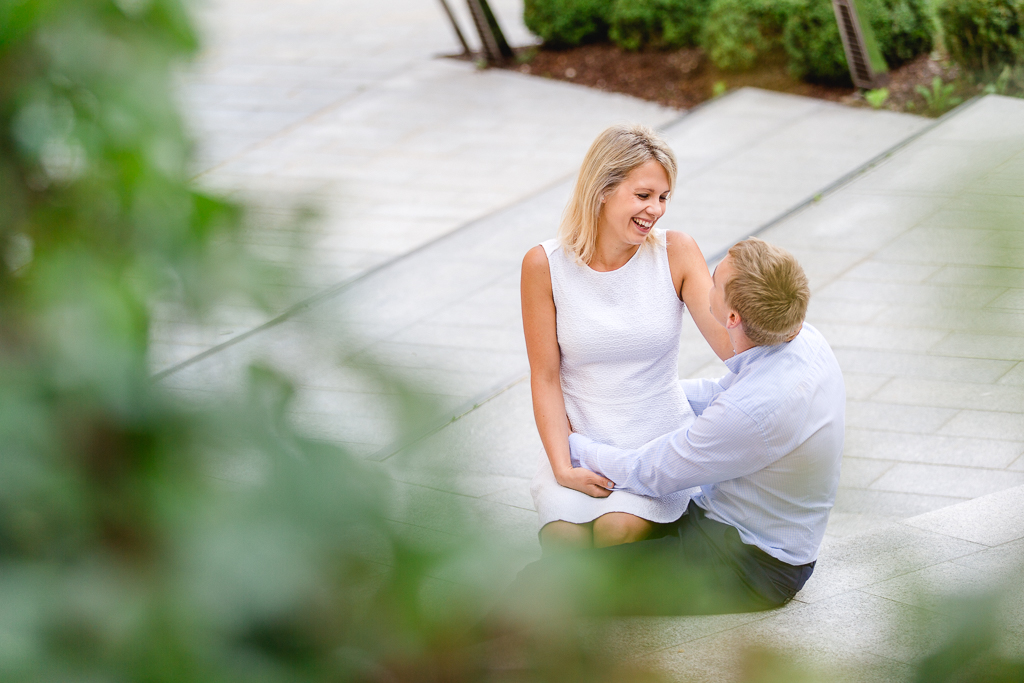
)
(983, 34)
(737, 32)
(657, 23)
(904, 28)
(567, 23)
(813, 44)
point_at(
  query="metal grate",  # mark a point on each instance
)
(858, 57)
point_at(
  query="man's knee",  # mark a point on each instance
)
(616, 528)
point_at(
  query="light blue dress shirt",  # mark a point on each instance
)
(765, 448)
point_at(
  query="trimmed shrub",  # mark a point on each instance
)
(983, 35)
(813, 44)
(657, 23)
(902, 28)
(567, 23)
(737, 32)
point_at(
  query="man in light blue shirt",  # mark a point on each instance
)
(764, 449)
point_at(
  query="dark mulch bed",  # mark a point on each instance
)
(684, 78)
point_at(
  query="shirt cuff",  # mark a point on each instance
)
(577, 446)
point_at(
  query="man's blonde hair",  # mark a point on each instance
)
(769, 290)
(612, 156)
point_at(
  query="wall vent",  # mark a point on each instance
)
(867, 67)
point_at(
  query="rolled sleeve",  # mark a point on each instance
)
(577, 444)
(700, 393)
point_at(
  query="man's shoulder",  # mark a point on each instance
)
(786, 373)
(817, 350)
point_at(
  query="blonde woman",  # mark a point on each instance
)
(603, 307)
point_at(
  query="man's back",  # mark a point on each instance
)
(765, 447)
(794, 398)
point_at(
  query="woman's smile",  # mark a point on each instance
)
(643, 225)
(630, 211)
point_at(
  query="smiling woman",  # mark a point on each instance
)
(614, 155)
(629, 214)
(602, 309)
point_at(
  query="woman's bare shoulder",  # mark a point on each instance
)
(679, 242)
(535, 263)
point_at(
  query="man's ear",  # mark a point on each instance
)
(733, 321)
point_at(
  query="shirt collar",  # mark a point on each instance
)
(737, 363)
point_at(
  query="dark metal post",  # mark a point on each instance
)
(495, 47)
(455, 25)
(862, 54)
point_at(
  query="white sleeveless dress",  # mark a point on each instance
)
(618, 335)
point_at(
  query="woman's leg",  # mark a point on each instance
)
(616, 528)
(566, 536)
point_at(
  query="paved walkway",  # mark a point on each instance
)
(917, 272)
(345, 106)
(447, 316)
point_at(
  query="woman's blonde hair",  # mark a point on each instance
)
(614, 154)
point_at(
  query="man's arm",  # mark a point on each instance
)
(722, 444)
(700, 393)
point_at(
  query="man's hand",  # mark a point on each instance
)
(585, 481)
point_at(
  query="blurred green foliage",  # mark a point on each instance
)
(567, 23)
(983, 35)
(123, 553)
(637, 24)
(736, 34)
(973, 646)
(877, 97)
(812, 41)
(1009, 81)
(740, 32)
(940, 98)
(121, 556)
(903, 29)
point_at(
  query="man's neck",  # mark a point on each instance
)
(740, 342)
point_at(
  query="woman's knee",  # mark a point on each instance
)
(616, 528)
(565, 535)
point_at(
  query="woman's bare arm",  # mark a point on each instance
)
(546, 387)
(693, 282)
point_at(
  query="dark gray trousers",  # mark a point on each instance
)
(694, 566)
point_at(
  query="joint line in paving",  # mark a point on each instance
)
(849, 177)
(453, 416)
